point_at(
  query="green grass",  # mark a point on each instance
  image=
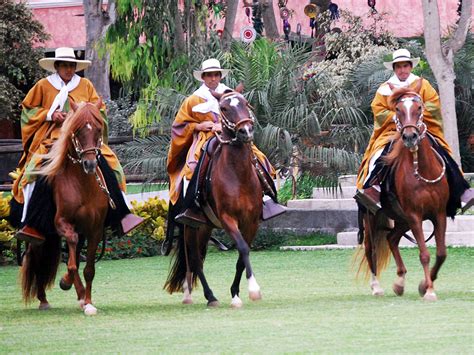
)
(139, 188)
(311, 303)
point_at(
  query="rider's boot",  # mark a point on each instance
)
(270, 208)
(30, 235)
(467, 199)
(369, 198)
(193, 216)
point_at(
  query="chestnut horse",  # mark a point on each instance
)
(418, 179)
(235, 198)
(81, 207)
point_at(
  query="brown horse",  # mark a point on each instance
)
(81, 208)
(420, 184)
(235, 198)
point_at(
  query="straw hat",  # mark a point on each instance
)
(209, 66)
(63, 54)
(401, 55)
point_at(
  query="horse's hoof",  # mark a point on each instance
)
(236, 302)
(187, 301)
(81, 303)
(213, 304)
(64, 286)
(44, 306)
(430, 296)
(398, 289)
(255, 295)
(90, 310)
(422, 288)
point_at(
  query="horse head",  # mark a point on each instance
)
(408, 107)
(85, 129)
(237, 118)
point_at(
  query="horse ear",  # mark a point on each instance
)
(73, 105)
(98, 104)
(216, 94)
(418, 85)
(240, 88)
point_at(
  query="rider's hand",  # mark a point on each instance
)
(217, 128)
(205, 126)
(58, 116)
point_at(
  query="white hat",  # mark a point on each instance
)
(210, 66)
(401, 55)
(63, 54)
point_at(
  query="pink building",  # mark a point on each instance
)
(64, 19)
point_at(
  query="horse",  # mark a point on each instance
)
(70, 169)
(235, 201)
(416, 190)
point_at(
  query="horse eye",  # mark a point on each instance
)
(224, 108)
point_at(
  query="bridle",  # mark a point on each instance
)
(231, 126)
(421, 130)
(99, 177)
(80, 151)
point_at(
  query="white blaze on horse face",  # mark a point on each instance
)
(408, 104)
(89, 127)
(234, 101)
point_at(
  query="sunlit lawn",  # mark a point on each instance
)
(311, 303)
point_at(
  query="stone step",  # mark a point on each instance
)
(464, 238)
(347, 180)
(337, 193)
(330, 204)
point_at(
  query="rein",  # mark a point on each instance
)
(421, 129)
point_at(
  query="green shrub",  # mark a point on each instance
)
(304, 187)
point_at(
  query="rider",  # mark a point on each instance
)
(44, 110)
(368, 179)
(195, 123)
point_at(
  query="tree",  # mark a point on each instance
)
(19, 68)
(440, 56)
(230, 16)
(269, 21)
(98, 21)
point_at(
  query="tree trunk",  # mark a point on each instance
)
(230, 16)
(179, 42)
(441, 60)
(269, 21)
(97, 21)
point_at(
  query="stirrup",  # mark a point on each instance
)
(30, 235)
(130, 222)
(192, 218)
(366, 201)
(271, 209)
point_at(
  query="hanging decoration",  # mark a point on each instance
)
(284, 13)
(334, 9)
(312, 11)
(286, 29)
(371, 4)
(248, 34)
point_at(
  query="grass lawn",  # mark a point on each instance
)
(311, 303)
(140, 188)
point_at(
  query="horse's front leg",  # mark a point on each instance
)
(230, 225)
(235, 288)
(426, 286)
(66, 230)
(89, 270)
(65, 283)
(440, 235)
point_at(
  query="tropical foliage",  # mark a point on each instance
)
(19, 68)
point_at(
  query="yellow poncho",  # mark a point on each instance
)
(38, 134)
(384, 127)
(186, 144)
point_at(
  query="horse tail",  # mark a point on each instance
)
(177, 274)
(375, 239)
(40, 266)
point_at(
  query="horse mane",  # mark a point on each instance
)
(54, 159)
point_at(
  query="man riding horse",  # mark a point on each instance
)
(196, 122)
(45, 108)
(371, 172)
